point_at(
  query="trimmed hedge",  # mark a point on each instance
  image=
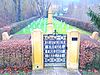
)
(15, 53)
(15, 27)
(86, 55)
(89, 55)
(18, 53)
(96, 61)
(19, 25)
(77, 23)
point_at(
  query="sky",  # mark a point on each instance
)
(71, 0)
(65, 1)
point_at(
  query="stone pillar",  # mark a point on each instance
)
(5, 36)
(50, 14)
(95, 35)
(1, 31)
(50, 28)
(73, 44)
(37, 49)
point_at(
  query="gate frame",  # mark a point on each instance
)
(72, 47)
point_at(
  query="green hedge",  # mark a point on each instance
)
(77, 23)
(19, 25)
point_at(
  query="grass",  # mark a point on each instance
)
(61, 27)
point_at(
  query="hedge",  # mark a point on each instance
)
(19, 25)
(77, 23)
(15, 27)
(15, 53)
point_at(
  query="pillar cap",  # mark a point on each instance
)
(50, 10)
(37, 30)
(70, 31)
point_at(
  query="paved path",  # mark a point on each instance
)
(21, 36)
(55, 71)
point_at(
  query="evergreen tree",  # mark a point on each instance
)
(95, 17)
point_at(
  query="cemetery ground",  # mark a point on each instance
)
(62, 28)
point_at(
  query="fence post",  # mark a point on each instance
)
(37, 49)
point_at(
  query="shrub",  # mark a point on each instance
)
(86, 54)
(95, 17)
(15, 53)
(96, 61)
(89, 55)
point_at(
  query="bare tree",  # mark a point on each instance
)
(43, 6)
(19, 10)
(17, 4)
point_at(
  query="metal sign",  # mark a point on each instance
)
(55, 46)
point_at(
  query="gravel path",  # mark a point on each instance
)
(21, 36)
(55, 71)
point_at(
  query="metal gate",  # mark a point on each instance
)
(55, 48)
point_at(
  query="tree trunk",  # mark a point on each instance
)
(19, 11)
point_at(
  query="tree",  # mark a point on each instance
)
(95, 17)
(17, 4)
(43, 6)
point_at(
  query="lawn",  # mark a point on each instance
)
(41, 23)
